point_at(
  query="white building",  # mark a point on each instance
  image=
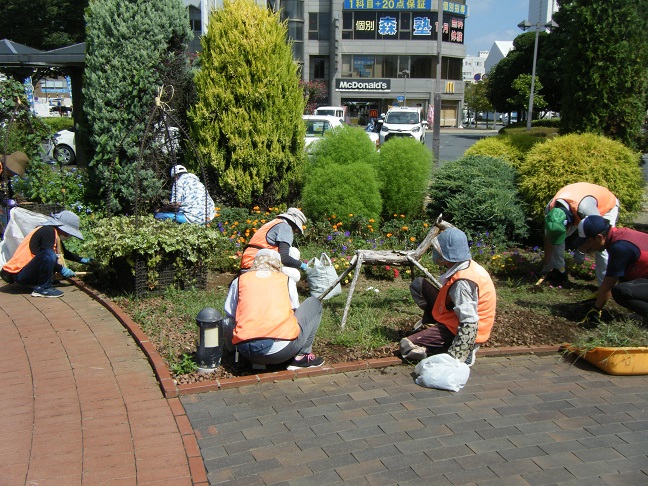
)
(540, 13)
(474, 67)
(498, 52)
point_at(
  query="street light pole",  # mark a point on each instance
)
(406, 74)
(436, 130)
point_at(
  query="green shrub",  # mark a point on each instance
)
(547, 122)
(580, 158)
(58, 123)
(500, 147)
(404, 171)
(343, 145)
(342, 190)
(43, 183)
(478, 195)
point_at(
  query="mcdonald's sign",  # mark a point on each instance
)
(450, 87)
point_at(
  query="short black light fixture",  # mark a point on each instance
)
(209, 349)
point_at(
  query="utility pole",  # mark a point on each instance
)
(436, 130)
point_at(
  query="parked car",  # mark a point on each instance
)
(64, 146)
(403, 121)
(318, 125)
(336, 111)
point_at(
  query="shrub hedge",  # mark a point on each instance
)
(478, 195)
(580, 158)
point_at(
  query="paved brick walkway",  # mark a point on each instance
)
(80, 403)
(520, 420)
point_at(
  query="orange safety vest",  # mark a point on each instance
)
(573, 194)
(258, 242)
(443, 308)
(264, 309)
(23, 255)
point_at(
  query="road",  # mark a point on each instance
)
(455, 141)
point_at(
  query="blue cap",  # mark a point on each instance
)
(454, 245)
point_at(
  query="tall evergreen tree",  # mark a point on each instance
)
(247, 121)
(605, 66)
(132, 49)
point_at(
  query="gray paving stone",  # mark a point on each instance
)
(549, 476)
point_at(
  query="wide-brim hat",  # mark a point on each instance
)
(17, 163)
(68, 222)
(295, 216)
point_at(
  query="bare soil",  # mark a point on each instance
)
(516, 325)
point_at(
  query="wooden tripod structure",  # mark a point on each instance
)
(388, 257)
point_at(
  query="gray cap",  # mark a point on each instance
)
(453, 244)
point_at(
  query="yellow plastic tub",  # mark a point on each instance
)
(618, 361)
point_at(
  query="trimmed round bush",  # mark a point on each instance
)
(477, 194)
(344, 145)
(499, 147)
(404, 171)
(342, 190)
(580, 158)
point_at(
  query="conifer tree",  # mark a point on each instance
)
(247, 121)
(133, 47)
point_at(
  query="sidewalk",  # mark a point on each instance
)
(80, 404)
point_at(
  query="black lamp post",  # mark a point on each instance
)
(209, 347)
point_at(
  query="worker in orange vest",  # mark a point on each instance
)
(460, 315)
(568, 207)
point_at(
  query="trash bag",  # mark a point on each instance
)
(321, 274)
(21, 223)
(442, 371)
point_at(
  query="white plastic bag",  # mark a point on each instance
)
(442, 371)
(321, 274)
(21, 222)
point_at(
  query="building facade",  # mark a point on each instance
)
(374, 54)
(474, 67)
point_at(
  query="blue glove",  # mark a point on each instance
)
(86, 260)
(303, 266)
(67, 273)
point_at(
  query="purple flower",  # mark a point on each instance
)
(346, 233)
(329, 237)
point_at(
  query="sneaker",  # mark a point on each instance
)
(50, 292)
(472, 357)
(307, 361)
(411, 351)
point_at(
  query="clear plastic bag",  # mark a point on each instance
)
(321, 274)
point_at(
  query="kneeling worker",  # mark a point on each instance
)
(37, 257)
(461, 314)
(626, 277)
(271, 326)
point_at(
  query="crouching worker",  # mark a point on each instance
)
(37, 257)
(460, 315)
(271, 326)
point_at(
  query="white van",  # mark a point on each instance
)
(336, 111)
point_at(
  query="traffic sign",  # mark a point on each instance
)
(400, 99)
(477, 77)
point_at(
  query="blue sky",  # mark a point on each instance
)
(492, 20)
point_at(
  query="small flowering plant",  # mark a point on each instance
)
(381, 272)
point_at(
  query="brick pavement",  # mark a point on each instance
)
(520, 420)
(80, 403)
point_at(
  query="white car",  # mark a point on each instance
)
(403, 121)
(318, 125)
(64, 146)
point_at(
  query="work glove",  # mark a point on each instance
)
(303, 266)
(546, 269)
(579, 257)
(66, 272)
(86, 260)
(592, 319)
